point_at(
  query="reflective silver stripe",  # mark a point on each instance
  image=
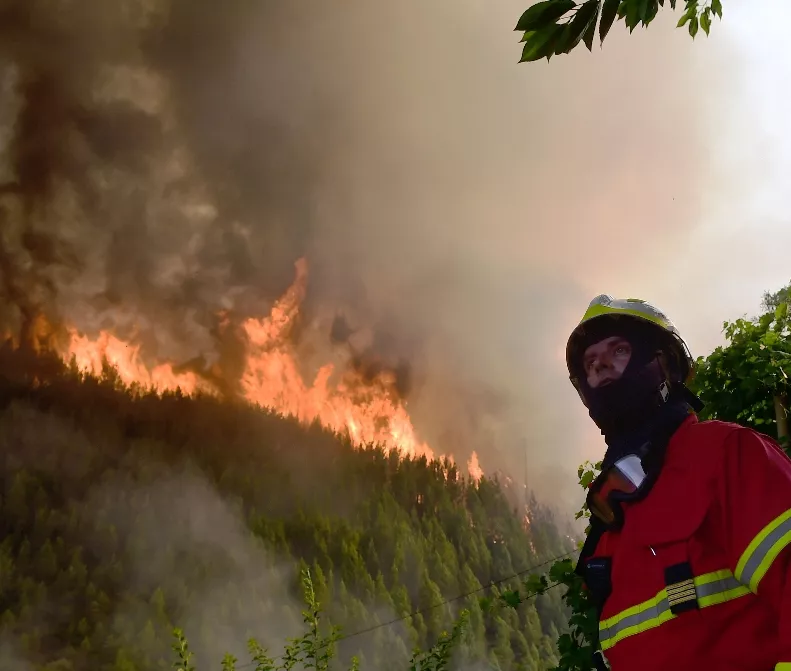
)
(711, 589)
(717, 586)
(761, 556)
(658, 612)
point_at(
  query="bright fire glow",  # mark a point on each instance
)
(125, 358)
(474, 467)
(368, 410)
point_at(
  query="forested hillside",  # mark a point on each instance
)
(126, 514)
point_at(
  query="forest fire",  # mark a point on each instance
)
(368, 409)
(125, 358)
(474, 468)
(134, 240)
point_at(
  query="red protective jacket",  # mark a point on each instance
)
(701, 570)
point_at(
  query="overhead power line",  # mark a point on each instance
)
(426, 609)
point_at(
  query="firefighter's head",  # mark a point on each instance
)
(624, 358)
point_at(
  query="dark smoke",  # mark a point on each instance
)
(125, 206)
(97, 197)
(166, 162)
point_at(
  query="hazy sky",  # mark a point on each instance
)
(651, 168)
(737, 243)
(463, 207)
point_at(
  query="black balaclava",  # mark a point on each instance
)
(630, 409)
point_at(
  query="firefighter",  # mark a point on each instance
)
(688, 558)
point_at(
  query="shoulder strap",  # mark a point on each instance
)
(598, 591)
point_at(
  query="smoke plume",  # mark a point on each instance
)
(166, 163)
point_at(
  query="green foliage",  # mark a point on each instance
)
(771, 299)
(314, 650)
(123, 512)
(739, 382)
(183, 654)
(554, 27)
(439, 655)
(577, 645)
(259, 656)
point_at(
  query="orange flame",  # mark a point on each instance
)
(474, 468)
(40, 333)
(368, 410)
(125, 358)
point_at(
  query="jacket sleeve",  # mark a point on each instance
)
(756, 495)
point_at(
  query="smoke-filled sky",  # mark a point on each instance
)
(165, 161)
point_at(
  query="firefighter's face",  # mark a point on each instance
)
(606, 360)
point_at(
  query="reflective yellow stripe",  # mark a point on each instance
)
(783, 666)
(759, 555)
(711, 589)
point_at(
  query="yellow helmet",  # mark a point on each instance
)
(607, 307)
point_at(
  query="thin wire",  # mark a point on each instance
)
(446, 602)
(456, 598)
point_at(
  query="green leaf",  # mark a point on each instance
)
(705, 21)
(608, 12)
(622, 9)
(561, 571)
(511, 598)
(535, 584)
(716, 7)
(693, 27)
(771, 338)
(540, 43)
(651, 12)
(586, 479)
(781, 311)
(543, 13)
(561, 43)
(635, 12)
(687, 16)
(590, 31)
(580, 24)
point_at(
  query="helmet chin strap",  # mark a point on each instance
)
(681, 390)
(690, 398)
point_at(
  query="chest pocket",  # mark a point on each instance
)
(664, 528)
(654, 565)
